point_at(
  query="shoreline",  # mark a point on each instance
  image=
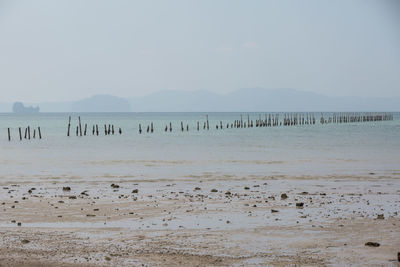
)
(245, 222)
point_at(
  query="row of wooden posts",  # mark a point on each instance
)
(95, 129)
(356, 117)
(269, 120)
(27, 134)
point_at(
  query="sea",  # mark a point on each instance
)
(358, 149)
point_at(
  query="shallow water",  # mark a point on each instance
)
(332, 149)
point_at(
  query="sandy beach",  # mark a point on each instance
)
(229, 221)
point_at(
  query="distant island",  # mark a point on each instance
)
(242, 100)
(18, 107)
(101, 103)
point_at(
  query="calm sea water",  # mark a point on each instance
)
(332, 149)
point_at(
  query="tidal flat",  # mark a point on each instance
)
(232, 221)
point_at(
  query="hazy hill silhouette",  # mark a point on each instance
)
(101, 103)
(258, 99)
(243, 100)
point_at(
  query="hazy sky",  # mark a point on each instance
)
(66, 50)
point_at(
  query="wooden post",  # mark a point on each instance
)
(198, 126)
(170, 127)
(112, 129)
(140, 128)
(109, 129)
(34, 133)
(97, 129)
(26, 132)
(152, 128)
(166, 128)
(20, 135)
(105, 129)
(93, 130)
(80, 126)
(241, 121)
(9, 135)
(208, 126)
(29, 133)
(69, 125)
(85, 129)
(119, 130)
(40, 133)
(77, 130)
(182, 126)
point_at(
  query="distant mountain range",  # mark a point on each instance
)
(244, 100)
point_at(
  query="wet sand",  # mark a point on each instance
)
(202, 221)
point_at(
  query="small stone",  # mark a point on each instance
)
(273, 211)
(72, 197)
(372, 244)
(380, 217)
(107, 258)
(66, 188)
(114, 186)
(227, 193)
(19, 224)
(246, 188)
(197, 188)
(284, 196)
(398, 256)
(25, 241)
(135, 191)
(299, 204)
(214, 190)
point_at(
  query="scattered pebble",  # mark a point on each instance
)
(372, 244)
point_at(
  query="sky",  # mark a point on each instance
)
(68, 50)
